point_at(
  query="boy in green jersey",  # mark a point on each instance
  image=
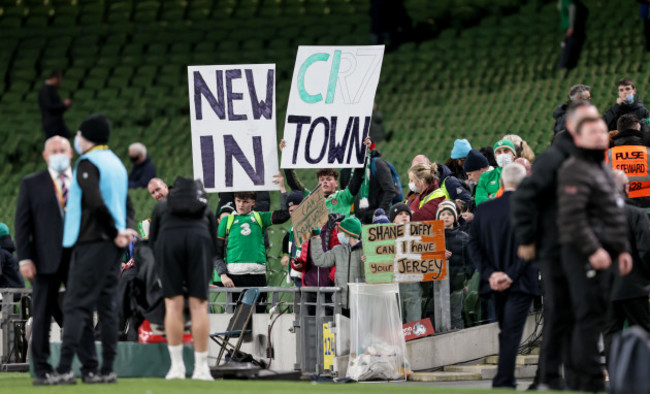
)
(241, 255)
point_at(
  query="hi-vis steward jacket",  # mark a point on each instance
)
(633, 160)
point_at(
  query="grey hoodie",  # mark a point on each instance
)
(349, 267)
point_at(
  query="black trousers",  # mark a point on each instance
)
(45, 306)
(512, 311)
(251, 281)
(558, 323)
(92, 285)
(590, 299)
(572, 46)
(635, 310)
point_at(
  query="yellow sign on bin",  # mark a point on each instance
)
(329, 348)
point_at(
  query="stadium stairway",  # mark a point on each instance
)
(467, 354)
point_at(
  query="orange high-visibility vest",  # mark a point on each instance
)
(633, 160)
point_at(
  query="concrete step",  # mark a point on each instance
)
(444, 376)
(531, 359)
(489, 371)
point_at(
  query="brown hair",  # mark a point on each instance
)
(327, 172)
(425, 172)
(626, 82)
(246, 195)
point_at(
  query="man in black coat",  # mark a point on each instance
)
(52, 107)
(533, 215)
(512, 281)
(592, 234)
(627, 102)
(381, 189)
(43, 261)
(629, 299)
(576, 93)
(143, 168)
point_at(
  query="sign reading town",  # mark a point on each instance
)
(330, 106)
(408, 252)
(232, 116)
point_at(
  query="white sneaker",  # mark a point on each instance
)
(202, 373)
(176, 372)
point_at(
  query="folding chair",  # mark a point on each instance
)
(239, 324)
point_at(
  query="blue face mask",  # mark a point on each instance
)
(343, 239)
(77, 145)
(59, 162)
(630, 99)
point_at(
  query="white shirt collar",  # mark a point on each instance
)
(55, 175)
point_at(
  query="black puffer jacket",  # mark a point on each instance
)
(460, 265)
(617, 110)
(590, 208)
(9, 276)
(533, 210)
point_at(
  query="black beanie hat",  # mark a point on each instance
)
(475, 161)
(295, 198)
(397, 208)
(96, 129)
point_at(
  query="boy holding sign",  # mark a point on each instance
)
(241, 255)
(347, 257)
(337, 201)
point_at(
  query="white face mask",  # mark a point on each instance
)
(413, 188)
(343, 239)
(77, 145)
(58, 162)
(503, 159)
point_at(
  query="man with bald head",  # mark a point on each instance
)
(533, 214)
(39, 233)
(158, 189)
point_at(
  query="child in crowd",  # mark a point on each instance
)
(409, 293)
(347, 257)
(241, 255)
(290, 250)
(460, 268)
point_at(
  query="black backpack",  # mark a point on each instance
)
(187, 198)
(628, 362)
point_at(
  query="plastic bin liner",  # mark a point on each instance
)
(377, 345)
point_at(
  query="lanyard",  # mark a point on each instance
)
(59, 194)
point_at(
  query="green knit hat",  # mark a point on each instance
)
(4, 230)
(351, 226)
(505, 144)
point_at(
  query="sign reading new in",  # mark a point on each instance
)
(408, 252)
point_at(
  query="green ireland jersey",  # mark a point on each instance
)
(245, 242)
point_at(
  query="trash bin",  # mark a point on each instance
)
(377, 345)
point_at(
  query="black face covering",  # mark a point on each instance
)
(134, 158)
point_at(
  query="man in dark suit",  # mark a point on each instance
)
(512, 281)
(39, 232)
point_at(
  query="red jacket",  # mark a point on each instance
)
(428, 210)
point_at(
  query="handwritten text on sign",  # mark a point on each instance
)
(409, 252)
(232, 116)
(330, 106)
(312, 212)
